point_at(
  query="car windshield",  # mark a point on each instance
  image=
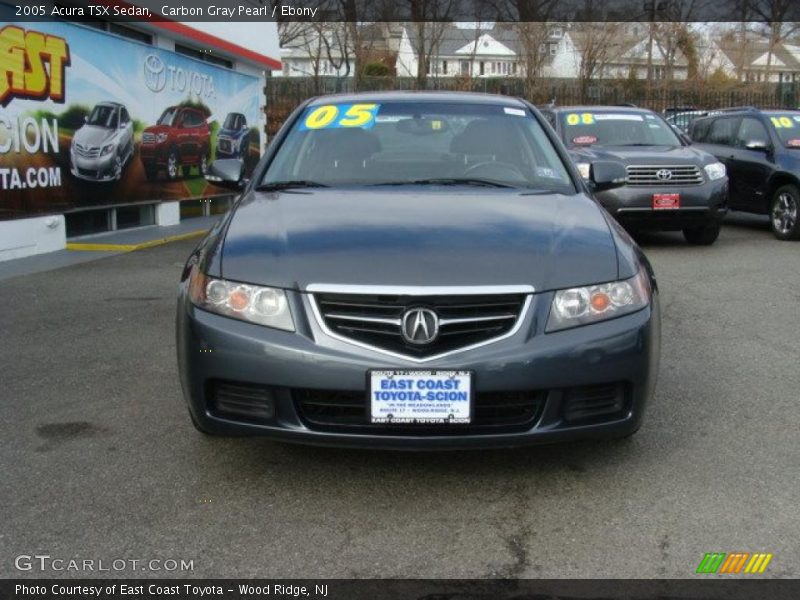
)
(787, 127)
(230, 121)
(407, 143)
(616, 128)
(167, 117)
(103, 116)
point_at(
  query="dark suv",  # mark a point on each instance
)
(670, 184)
(178, 141)
(761, 151)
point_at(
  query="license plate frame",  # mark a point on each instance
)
(410, 416)
(666, 201)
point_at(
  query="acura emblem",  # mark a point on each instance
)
(420, 326)
(664, 174)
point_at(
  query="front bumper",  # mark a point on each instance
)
(213, 348)
(92, 169)
(700, 205)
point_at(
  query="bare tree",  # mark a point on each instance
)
(598, 43)
(430, 19)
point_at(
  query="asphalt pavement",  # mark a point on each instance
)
(100, 462)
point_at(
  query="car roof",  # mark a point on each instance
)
(587, 107)
(415, 96)
(109, 103)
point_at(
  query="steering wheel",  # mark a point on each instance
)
(495, 170)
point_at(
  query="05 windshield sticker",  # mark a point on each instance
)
(782, 122)
(339, 116)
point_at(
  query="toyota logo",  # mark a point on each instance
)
(664, 174)
(155, 75)
(420, 326)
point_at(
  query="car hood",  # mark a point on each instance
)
(91, 135)
(418, 237)
(643, 155)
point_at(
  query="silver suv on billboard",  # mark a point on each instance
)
(103, 146)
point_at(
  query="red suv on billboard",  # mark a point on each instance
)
(177, 142)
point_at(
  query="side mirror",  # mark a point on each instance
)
(606, 175)
(757, 145)
(227, 173)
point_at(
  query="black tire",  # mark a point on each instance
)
(150, 173)
(784, 213)
(704, 235)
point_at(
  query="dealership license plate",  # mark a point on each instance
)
(666, 201)
(420, 397)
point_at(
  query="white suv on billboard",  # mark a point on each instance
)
(103, 146)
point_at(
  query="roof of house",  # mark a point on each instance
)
(754, 54)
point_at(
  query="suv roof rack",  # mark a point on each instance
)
(735, 109)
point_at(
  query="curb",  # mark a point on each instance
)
(132, 247)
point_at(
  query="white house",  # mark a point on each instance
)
(494, 51)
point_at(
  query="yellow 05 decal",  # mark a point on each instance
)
(336, 116)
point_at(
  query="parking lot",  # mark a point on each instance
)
(100, 460)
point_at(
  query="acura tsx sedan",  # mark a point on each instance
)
(417, 270)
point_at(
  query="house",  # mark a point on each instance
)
(488, 51)
(625, 53)
(757, 63)
(314, 50)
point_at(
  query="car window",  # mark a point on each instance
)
(402, 142)
(102, 116)
(722, 131)
(168, 117)
(551, 118)
(752, 130)
(124, 117)
(615, 128)
(787, 128)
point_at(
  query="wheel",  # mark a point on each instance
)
(150, 173)
(186, 169)
(784, 213)
(705, 235)
(172, 165)
(117, 167)
(204, 163)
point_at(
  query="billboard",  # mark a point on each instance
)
(88, 118)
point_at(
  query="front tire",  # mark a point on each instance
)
(704, 235)
(783, 214)
(173, 165)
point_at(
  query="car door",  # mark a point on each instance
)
(717, 136)
(185, 135)
(752, 161)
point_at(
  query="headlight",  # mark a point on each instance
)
(161, 138)
(580, 306)
(584, 169)
(107, 150)
(715, 171)
(261, 305)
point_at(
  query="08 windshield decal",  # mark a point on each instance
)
(338, 116)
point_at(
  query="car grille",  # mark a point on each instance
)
(679, 175)
(346, 411)
(224, 145)
(87, 151)
(88, 172)
(376, 320)
(148, 138)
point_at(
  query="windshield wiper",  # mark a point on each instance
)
(450, 181)
(286, 185)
